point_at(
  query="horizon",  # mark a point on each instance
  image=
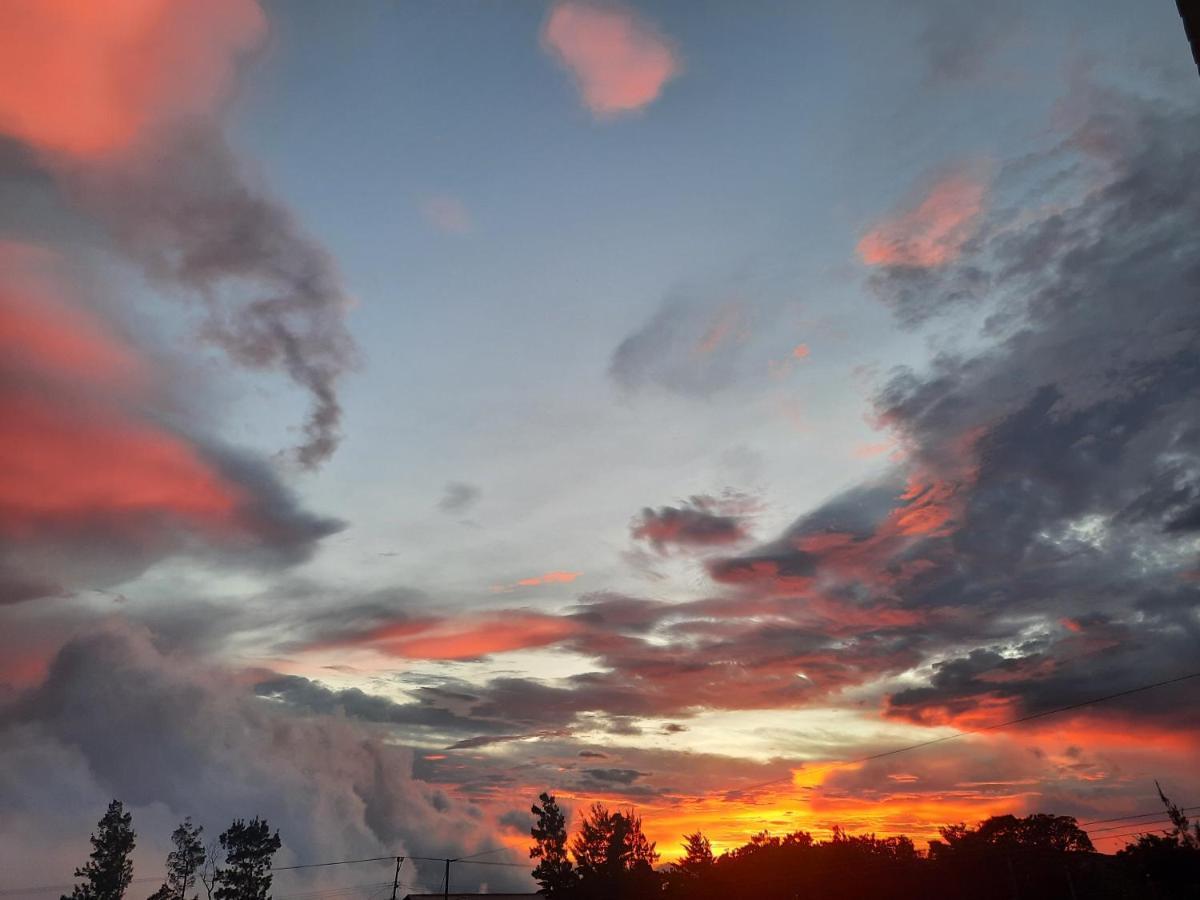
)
(766, 417)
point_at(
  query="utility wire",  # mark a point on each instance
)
(482, 853)
(338, 862)
(6, 892)
(961, 734)
(1146, 815)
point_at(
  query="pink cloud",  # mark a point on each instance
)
(550, 578)
(90, 80)
(446, 214)
(871, 450)
(470, 637)
(619, 60)
(556, 577)
(933, 232)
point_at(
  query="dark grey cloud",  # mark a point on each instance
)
(917, 294)
(418, 718)
(1037, 540)
(116, 717)
(619, 776)
(1077, 460)
(613, 612)
(188, 214)
(458, 497)
(958, 40)
(700, 521)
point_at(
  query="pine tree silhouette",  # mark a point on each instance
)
(108, 873)
(184, 863)
(249, 847)
(553, 872)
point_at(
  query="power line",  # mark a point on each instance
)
(338, 862)
(961, 734)
(482, 853)
(1108, 837)
(1146, 815)
(6, 892)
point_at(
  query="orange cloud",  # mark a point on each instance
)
(69, 452)
(557, 577)
(61, 463)
(801, 351)
(40, 333)
(94, 485)
(551, 578)
(931, 234)
(88, 80)
(467, 638)
(618, 59)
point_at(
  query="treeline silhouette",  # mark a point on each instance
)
(1003, 858)
(609, 857)
(246, 849)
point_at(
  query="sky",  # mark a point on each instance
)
(411, 407)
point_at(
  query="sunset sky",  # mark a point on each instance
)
(408, 407)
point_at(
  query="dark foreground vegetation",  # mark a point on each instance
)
(1005, 858)
(609, 858)
(247, 849)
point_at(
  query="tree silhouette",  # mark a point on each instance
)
(1185, 835)
(553, 872)
(1034, 857)
(184, 863)
(249, 847)
(612, 855)
(1170, 863)
(1058, 834)
(697, 856)
(108, 872)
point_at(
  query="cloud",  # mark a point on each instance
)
(619, 776)
(698, 522)
(97, 483)
(459, 497)
(1078, 478)
(550, 578)
(555, 577)
(86, 86)
(171, 737)
(619, 60)
(1050, 471)
(466, 637)
(958, 41)
(933, 230)
(123, 109)
(425, 716)
(689, 346)
(447, 214)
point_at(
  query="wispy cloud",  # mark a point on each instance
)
(93, 470)
(447, 214)
(932, 231)
(125, 110)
